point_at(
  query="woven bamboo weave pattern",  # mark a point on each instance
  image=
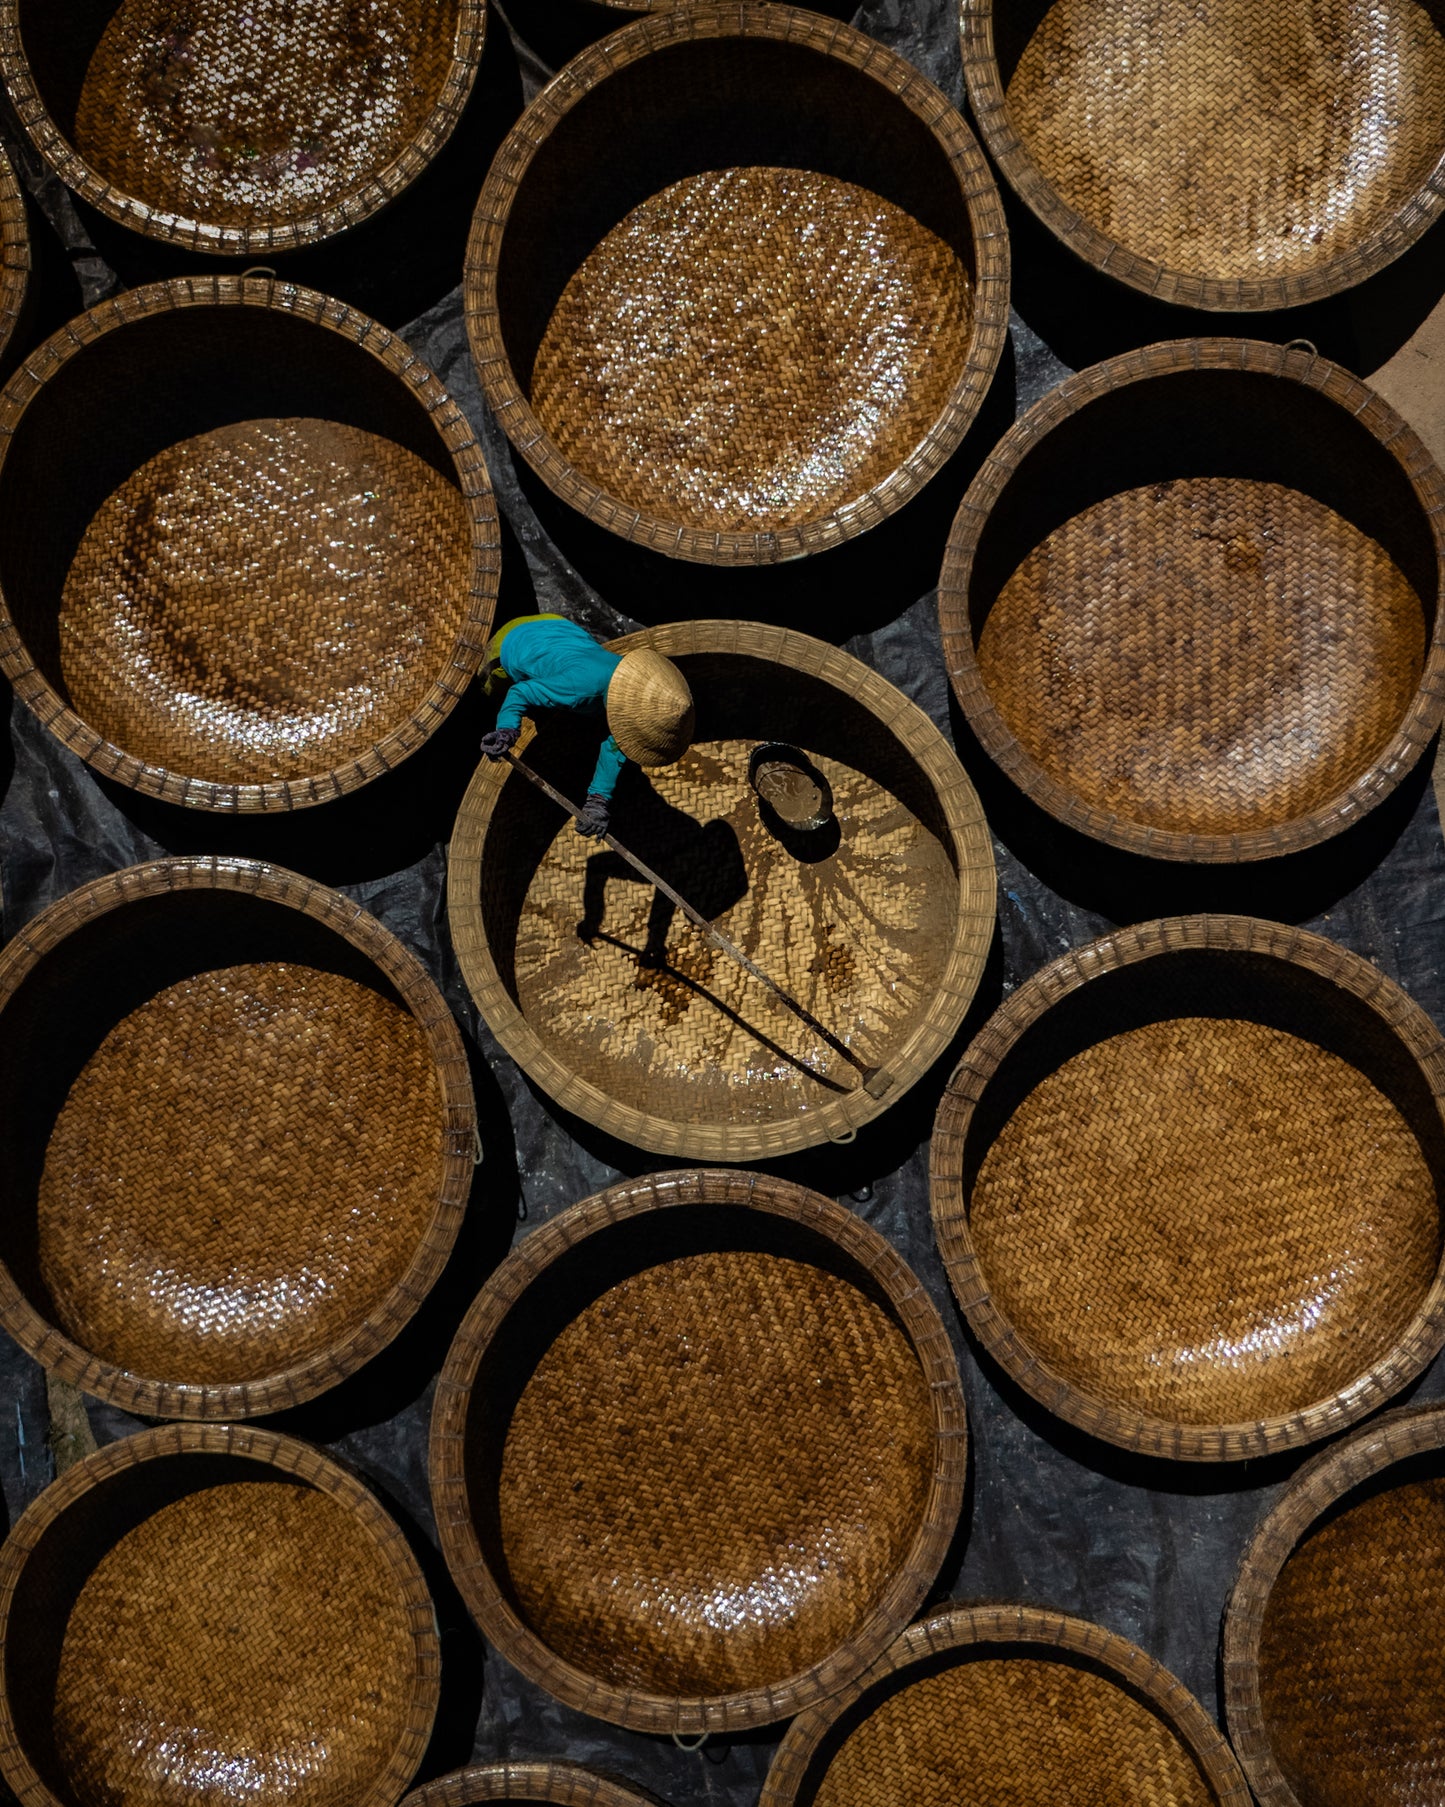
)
(860, 937)
(244, 1642)
(692, 1563)
(1352, 1626)
(1020, 1730)
(240, 114)
(244, 1168)
(1237, 140)
(14, 253)
(1173, 653)
(265, 598)
(754, 348)
(1207, 1220)
(558, 1784)
(1007, 1706)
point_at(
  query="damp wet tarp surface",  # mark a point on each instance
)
(1148, 1549)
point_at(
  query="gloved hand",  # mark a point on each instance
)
(596, 816)
(496, 744)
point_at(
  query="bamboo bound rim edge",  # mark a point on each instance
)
(785, 24)
(402, 366)
(470, 1570)
(1317, 1486)
(307, 229)
(1128, 1429)
(290, 1456)
(989, 106)
(15, 267)
(561, 1784)
(1174, 357)
(732, 1143)
(966, 1628)
(57, 1352)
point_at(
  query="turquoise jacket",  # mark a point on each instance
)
(558, 665)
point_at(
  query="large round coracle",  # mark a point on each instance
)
(248, 548)
(1191, 603)
(556, 1784)
(1186, 1183)
(240, 126)
(236, 1141)
(1334, 1671)
(714, 314)
(1229, 156)
(698, 1451)
(1007, 1703)
(202, 1615)
(877, 921)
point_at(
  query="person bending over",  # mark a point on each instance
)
(552, 663)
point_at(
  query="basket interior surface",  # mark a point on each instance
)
(857, 919)
(1204, 601)
(1234, 141)
(253, 563)
(728, 306)
(698, 1451)
(239, 112)
(1204, 1188)
(205, 1629)
(999, 1722)
(223, 1142)
(1352, 1621)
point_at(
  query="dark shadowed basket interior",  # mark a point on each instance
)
(1190, 604)
(248, 548)
(878, 922)
(1334, 1671)
(14, 256)
(236, 1138)
(240, 126)
(712, 312)
(1007, 1703)
(697, 1452)
(205, 1614)
(1235, 155)
(557, 1784)
(1186, 1184)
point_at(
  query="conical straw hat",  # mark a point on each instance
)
(649, 708)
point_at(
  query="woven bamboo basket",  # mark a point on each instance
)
(14, 257)
(240, 129)
(1235, 156)
(558, 1784)
(1191, 603)
(1186, 1186)
(206, 1614)
(698, 1451)
(1007, 1703)
(261, 569)
(238, 1138)
(691, 276)
(1333, 1672)
(628, 1016)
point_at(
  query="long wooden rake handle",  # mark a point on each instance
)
(869, 1075)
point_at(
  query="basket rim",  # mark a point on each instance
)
(966, 1627)
(919, 1318)
(146, 1395)
(989, 105)
(410, 374)
(14, 251)
(1127, 1428)
(1316, 1487)
(561, 1784)
(291, 1456)
(838, 1120)
(313, 227)
(784, 24)
(1171, 358)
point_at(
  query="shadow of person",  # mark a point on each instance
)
(700, 860)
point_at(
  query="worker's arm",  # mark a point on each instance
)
(521, 699)
(596, 817)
